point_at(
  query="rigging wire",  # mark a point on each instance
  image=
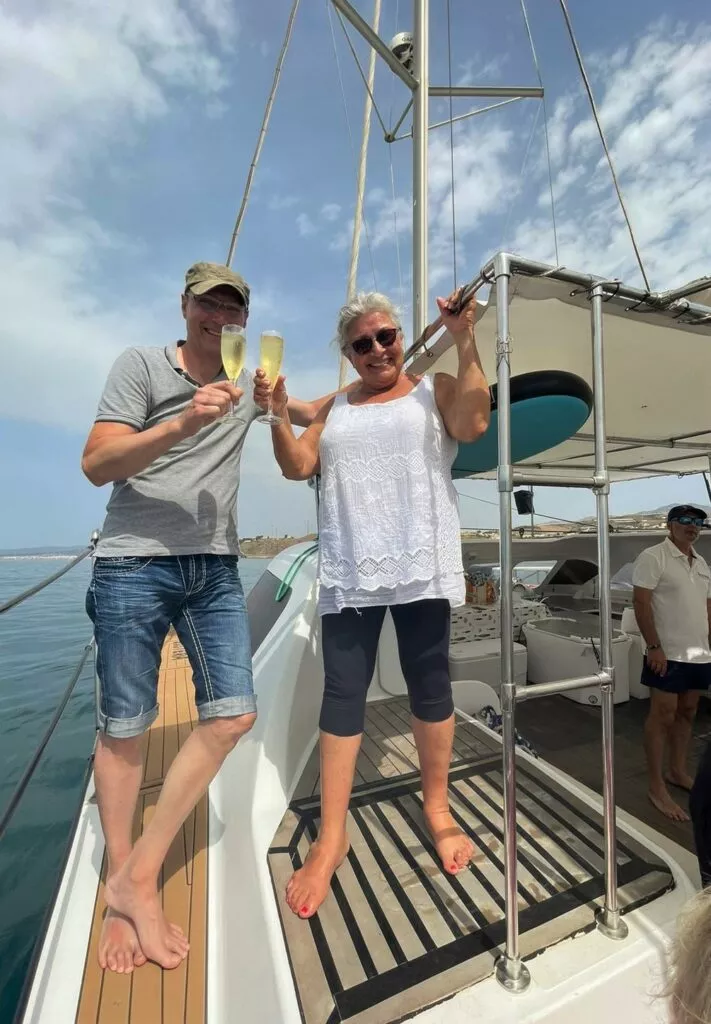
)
(350, 136)
(534, 123)
(545, 126)
(451, 143)
(591, 98)
(401, 289)
(538, 515)
(366, 83)
(262, 134)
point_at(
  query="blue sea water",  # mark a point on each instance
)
(41, 642)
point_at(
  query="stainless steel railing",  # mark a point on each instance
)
(31, 591)
(511, 972)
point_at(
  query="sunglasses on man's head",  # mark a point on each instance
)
(385, 337)
(689, 521)
(209, 304)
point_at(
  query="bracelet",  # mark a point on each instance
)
(653, 647)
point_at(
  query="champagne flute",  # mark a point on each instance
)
(233, 348)
(271, 352)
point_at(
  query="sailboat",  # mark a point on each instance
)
(566, 910)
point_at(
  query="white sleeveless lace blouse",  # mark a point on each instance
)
(389, 528)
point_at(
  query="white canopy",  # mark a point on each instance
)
(657, 373)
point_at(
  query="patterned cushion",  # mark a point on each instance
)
(481, 622)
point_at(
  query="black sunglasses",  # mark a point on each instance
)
(213, 305)
(385, 337)
(689, 521)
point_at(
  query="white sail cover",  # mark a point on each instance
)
(657, 376)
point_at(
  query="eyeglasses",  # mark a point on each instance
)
(209, 304)
(689, 521)
(385, 337)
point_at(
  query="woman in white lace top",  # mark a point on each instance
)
(389, 537)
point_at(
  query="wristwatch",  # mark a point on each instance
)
(653, 647)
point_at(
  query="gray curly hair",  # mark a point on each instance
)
(689, 988)
(364, 302)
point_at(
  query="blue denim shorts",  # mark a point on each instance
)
(133, 601)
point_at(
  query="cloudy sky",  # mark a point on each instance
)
(127, 130)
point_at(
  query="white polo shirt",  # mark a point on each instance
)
(679, 600)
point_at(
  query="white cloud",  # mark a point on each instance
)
(58, 353)
(484, 182)
(77, 79)
(330, 211)
(385, 219)
(305, 225)
(342, 239)
(220, 17)
(279, 202)
(478, 71)
(653, 106)
(652, 98)
(84, 77)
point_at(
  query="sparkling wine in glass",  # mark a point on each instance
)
(233, 347)
(271, 353)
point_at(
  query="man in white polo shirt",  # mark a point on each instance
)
(672, 603)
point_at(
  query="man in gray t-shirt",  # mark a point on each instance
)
(168, 556)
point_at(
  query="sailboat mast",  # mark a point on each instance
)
(420, 111)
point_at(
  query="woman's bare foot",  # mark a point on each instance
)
(160, 941)
(308, 887)
(454, 848)
(119, 948)
(681, 779)
(669, 808)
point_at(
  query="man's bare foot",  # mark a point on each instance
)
(668, 807)
(454, 848)
(162, 942)
(308, 887)
(681, 779)
(119, 948)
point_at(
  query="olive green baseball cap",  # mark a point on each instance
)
(202, 277)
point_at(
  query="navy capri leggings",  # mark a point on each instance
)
(350, 644)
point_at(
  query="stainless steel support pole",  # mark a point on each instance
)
(615, 292)
(609, 920)
(523, 479)
(560, 686)
(511, 972)
(512, 91)
(420, 115)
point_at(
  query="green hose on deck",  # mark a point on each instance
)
(293, 570)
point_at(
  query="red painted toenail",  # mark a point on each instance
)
(304, 910)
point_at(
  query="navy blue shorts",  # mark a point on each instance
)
(680, 677)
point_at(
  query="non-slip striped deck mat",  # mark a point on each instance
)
(396, 934)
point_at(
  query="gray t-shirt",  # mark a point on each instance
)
(184, 503)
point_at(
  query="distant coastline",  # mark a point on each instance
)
(36, 558)
(251, 547)
(268, 547)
